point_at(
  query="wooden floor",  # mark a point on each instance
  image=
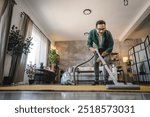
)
(70, 88)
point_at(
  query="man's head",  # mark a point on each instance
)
(101, 26)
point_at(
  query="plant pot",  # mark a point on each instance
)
(53, 67)
(7, 80)
(31, 81)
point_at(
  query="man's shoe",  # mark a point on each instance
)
(95, 83)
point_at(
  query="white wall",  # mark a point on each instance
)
(21, 7)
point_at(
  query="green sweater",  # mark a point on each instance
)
(107, 40)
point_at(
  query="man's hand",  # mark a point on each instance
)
(104, 54)
(93, 49)
(98, 60)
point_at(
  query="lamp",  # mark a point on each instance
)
(125, 59)
(53, 47)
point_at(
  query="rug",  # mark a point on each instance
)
(70, 88)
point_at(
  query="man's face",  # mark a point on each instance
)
(101, 28)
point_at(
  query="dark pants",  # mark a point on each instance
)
(96, 68)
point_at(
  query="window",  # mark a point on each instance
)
(39, 49)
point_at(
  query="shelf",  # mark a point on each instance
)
(115, 58)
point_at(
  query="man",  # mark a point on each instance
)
(100, 39)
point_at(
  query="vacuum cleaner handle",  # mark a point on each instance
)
(106, 67)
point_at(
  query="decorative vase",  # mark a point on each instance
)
(53, 67)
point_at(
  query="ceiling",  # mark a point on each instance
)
(64, 20)
(142, 30)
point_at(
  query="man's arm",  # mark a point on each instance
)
(90, 43)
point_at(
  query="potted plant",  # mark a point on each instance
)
(16, 46)
(30, 71)
(53, 58)
(128, 63)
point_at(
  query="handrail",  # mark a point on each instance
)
(74, 70)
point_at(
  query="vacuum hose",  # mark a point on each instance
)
(74, 76)
(100, 50)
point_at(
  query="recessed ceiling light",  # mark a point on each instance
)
(87, 11)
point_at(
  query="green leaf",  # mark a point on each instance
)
(17, 45)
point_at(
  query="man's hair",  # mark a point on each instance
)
(100, 22)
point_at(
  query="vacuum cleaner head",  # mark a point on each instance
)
(116, 85)
(123, 86)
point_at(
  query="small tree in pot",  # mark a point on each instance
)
(30, 71)
(16, 47)
(53, 58)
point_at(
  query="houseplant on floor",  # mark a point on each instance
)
(54, 62)
(53, 59)
(30, 71)
(17, 46)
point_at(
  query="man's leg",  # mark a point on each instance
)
(106, 75)
(96, 70)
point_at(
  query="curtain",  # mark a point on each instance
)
(3, 4)
(39, 51)
(6, 9)
(26, 30)
(49, 47)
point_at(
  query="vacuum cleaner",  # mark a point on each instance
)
(116, 85)
(76, 67)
